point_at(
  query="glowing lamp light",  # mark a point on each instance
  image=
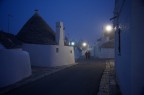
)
(84, 44)
(108, 28)
(72, 43)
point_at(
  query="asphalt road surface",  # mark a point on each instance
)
(81, 79)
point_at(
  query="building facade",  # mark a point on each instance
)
(129, 47)
(104, 48)
(46, 47)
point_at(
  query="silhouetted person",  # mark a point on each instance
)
(86, 54)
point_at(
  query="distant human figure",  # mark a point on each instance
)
(86, 54)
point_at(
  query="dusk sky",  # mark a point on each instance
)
(83, 19)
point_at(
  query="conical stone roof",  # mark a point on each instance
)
(37, 31)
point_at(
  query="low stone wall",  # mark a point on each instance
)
(14, 66)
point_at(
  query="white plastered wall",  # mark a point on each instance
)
(14, 66)
(47, 55)
(106, 53)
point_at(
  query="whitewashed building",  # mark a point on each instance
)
(46, 48)
(129, 45)
(14, 62)
(104, 48)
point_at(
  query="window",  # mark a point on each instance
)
(57, 50)
(71, 51)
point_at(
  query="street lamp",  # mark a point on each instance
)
(84, 44)
(72, 43)
(108, 28)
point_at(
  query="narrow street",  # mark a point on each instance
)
(81, 79)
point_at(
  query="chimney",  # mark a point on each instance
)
(60, 33)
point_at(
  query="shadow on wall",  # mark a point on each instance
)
(142, 92)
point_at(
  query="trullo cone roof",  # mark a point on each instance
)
(37, 31)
